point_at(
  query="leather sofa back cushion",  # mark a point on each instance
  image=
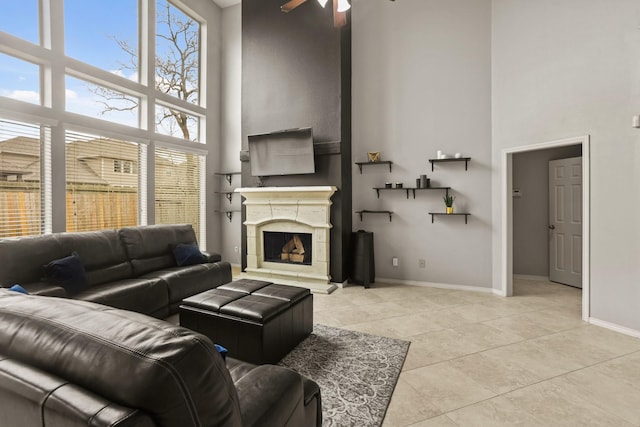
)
(148, 246)
(175, 375)
(101, 252)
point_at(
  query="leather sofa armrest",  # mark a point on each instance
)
(211, 256)
(271, 396)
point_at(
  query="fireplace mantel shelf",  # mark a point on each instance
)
(262, 190)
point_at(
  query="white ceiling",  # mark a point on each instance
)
(226, 3)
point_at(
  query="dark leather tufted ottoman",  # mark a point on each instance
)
(258, 322)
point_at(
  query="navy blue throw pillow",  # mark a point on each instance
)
(18, 288)
(69, 273)
(187, 254)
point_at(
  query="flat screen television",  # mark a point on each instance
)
(286, 152)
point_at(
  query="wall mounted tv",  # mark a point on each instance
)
(286, 152)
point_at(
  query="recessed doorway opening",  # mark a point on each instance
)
(507, 208)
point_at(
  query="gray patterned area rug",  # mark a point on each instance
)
(356, 372)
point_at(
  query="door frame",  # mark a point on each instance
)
(506, 208)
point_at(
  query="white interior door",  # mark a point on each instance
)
(565, 221)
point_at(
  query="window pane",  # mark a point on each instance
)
(101, 102)
(174, 122)
(20, 196)
(20, 18)
(98, 195)
(19, 79)
(178, 188)
(177, 53)
(103, 34)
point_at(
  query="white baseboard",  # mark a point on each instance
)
(531, 277)
(438, 285)
(617, 328)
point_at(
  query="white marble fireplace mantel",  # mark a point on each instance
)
(292, 210)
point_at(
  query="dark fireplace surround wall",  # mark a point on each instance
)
(296, 72)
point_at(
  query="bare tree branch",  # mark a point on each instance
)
(176, 67)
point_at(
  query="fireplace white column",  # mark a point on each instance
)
(290, 210)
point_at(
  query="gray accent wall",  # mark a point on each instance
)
(569, 68)
(296, 72)
(531, 208)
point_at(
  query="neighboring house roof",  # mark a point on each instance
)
(21, 156)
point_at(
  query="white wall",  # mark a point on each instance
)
(569, 68)
(231, 40)
(422, 82)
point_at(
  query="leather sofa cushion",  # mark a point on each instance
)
(175, 375)
(44, 287)
(148, 246)
(183, 282)
(147, 296)
(101, 252)
(32, 397)
(312, 397)
(23, 259)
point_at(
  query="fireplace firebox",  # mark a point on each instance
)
(289, 248)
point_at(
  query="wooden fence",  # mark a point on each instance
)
(86, 210)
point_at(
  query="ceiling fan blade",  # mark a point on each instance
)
(291, 4)
(339, 18)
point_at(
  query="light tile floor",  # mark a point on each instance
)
(481, 360)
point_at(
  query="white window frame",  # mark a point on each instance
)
(54, 66)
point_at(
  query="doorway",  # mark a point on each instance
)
(512, 195)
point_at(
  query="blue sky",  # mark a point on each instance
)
(91, 30)
(90, 26)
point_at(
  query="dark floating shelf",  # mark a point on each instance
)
(228, 194)
(229, 214)
(466, 215)
(411, 189)
(460, 159)
(227, 175)
(382, 162)
(361, 213)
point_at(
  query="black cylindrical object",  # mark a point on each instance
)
(363, 270)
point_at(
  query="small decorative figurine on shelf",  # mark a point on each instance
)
(373, 156)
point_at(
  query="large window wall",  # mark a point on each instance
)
(110, 96)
